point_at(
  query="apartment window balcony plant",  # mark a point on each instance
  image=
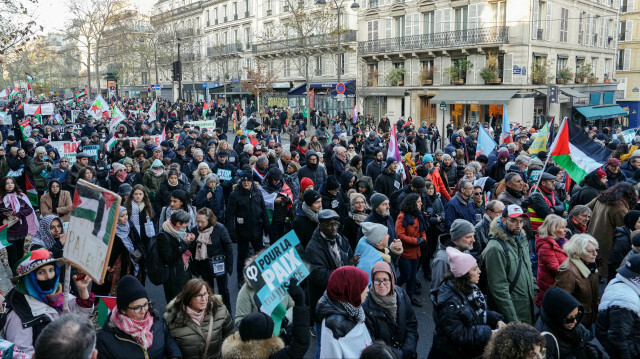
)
(426, 75)
(458, 72)
(372, 78)
(539, 72)
(491, 72)
(396, 76)
(564, 76)
(583, 73)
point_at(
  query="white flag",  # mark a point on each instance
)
(98, 107)
(152, 112)
(116, 117)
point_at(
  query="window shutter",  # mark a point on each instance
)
(449, 24)
(627, 60)
(415, 71)
(628, 30)
(446, 62)
(630, 4)
(479, 11)
(437, 63)
(536, 14)
(481, 61)
(438, 21)
(388, 27)
(416, 24)
(603, 22)
(407, 25)
(507, 72)
(594, 23)
(549, 22)
(472, 20)
(588, 28)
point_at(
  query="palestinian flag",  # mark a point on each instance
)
(68, 102)
(152, 112)
(112, 143)
(95, 209)
(80, 94)
(38, 113)
(205, 109)
(269, 198)
(576, 153)
(3, 237)
(105, 306)
(32, 194)
(30, 78)
(13, 93)
(25, 128)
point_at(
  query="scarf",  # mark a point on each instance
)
(478, 301)
(53, 297)
(411, 164)
(389, 302)
(462, 200)
(579, 227)
(55, 199)
(409, 221)
(358, 217)
(122, 231)
(135, 214)
(12, 200)
(168, 228)
(157, 171)
(197, 317)
(514, 193)
(140, 330)
(204, 238)
(121, 176)
(313, 216)
(44, 238)
(353, 313)
(332, 243)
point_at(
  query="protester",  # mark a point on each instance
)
(578, 220)
(173, 247)
(411, 227)
(374, 247)
(622, 241)
(16, 208)
(67, 337)
(134, 329)
(358, 211)
(461, 237)
(549, 242)
(138, 206)
(306, 220)
(516, 341)
(56, 201)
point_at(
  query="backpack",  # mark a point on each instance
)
(484, 285)
(157, 272)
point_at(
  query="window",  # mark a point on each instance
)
(373, 4)
(594, 65)
(215, 16)
(564, 24)
(224, 12)
(318, 71)
(270, 66)
(429, 23)
(235, 10)
(461, 15)
(247, 38)
(236, 38)
(624, 60)
(246, 8)
(623, 6)
(498, 9)
(561, 64)
(594, 30)
(399, 26)
(372, 30)
(286, 64)
(607, 68)
(535, 21)
(206, 15)
(580, 27)
(343, 63)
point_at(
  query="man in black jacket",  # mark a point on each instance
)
(389, 181)
(374, 168)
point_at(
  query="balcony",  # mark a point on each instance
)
(184, 33)
(196, 6)
(225, 50)
(327, 40)
(449, 39)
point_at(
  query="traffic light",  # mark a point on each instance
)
(176, 72)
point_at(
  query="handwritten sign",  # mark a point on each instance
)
(91, 229)
(45, 108)
(209, 125)
(272, 270)
(224, 175)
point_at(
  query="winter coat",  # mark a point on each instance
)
(602, 226)
(303, 226)
(39, 182)
(457, 208)
(409, 236)
(460, 332)
(215, 203)
(246, 213)
(435, 176)
(386, 221)
(341, 337)
(571, 344)
(337, 203)
(315, 172)
(323, 263)
(191, 338)
(152, 183)
(618, 324)
(520, 303)
(220, 245)
(272, 348)
(440, 265)
(374, 169)
(614, 180)
(400, 334)
(21, 228)
(481, 238)
(388, 182)
(550, 257)
(338, 166)
(170, 250)
(592, 186)
(584, 285)
(451, 174)
(371, 145)
(64, 205)
(113, 343)
(163, 197)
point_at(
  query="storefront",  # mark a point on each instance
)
(632, 107)
(323, 96)
(278, 96)
(234, 93)
(601, 111)
(474, 106)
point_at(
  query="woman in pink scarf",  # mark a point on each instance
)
(15, 208)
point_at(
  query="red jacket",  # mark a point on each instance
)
(409, 237)
(436, 179)
(550, 257)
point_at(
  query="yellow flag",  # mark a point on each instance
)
(540, 143)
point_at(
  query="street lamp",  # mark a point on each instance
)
(180, 83)
(354, 6)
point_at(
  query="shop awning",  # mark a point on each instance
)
(350, 88)
(474, 97)
(573, 93)
(597, 113)
(561, 98)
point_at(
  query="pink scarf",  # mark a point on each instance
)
(197, 317)
(11, 201)
(140, 330)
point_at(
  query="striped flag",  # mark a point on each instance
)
(30, 78)
(112, 143)
(152, 112)
(105, 306)
(80, 94)
(32, 194)
(355, 113)
(25, 129)
(505, 137)
(13, 93)
(393, 146)
(205, 109)
(38, 113)
(3, 236)
(95, 209)
(163, 135)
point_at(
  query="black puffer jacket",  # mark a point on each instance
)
(618, 324)
(335, 316)
(592, 186)
(246, 213)
(460, 332)
(315, 172)
(303, 226)
(388, 182)
(113, 343)
(337, 203)
(402, 333)
(619, 250)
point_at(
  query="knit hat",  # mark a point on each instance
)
(427, 158)
(305, 182)
(635, 154)
(613, 162)
(460, 228)
(129, 290)
(554, 170)
(383, 266)
(302, 143)
(439, 152)
(377, 199)
(354, 196)
(635, 241)
(391, 160)
(124, 189)
(157, 163)
(256, 326)
(310, 197)
(461, 263)
(40, 150)
(32, 261)
(117, 166)
(127, 161)
(246, 174)
(332, 183)
(556, 306)
(373, 232)
(631, 218)
(346, 284)
(503, 154)
(446, 156)
(335, 137)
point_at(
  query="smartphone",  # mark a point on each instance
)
(80, 275)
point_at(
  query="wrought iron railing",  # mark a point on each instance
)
(225, 50)
(314, 40)
(176, 12)
(485, 35)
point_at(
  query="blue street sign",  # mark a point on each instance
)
(211, 85)
(156, 87)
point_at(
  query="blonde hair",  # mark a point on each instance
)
(550, 225)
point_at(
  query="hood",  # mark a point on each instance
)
(495, 231)
(592, 180)
(556, 305)
(234, 348)
(367, 180)
(43, 237)
(55, 180)
(345, 178)
(157, 163)
(312, 153)
(327, 307)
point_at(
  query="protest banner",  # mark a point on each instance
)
(271, 271)
(66, 149)
(209, 125)
(91, 229)
(91, 150)
(224, 175)
(629, 135)
(45, 108)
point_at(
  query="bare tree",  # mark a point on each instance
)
(260, 81)
(16, 28)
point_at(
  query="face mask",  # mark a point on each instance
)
(47, 285)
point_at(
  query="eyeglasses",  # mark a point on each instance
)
(577, 318)
(381, 282)
(351, 147)
(202, 295)
(593, 251)
(516, 221)
(477, 193)
(140, 308)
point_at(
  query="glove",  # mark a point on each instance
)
(420, 241)
(296, 293)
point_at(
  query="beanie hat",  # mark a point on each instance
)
(332, 183)
(635, 154)
(446, 156)
(127, 161)
(117, 166)
(346, 284)
(439, 152)
(391, 160)
(460, 228)
(383, 266)
(129, 290)
(556, 306)
(310, 197)
(377, 199)
(40, 150)
(635, 241)
(554, 170)
(461, 263)
(601, 173)
(256, 326)
(373, 232)
(503, 154)
(427, 158)
(302, 143)
(304, 183)
(246, 174)
(630, 219)
(422, 171)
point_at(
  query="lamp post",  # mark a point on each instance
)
(354, 6)
(180, 84)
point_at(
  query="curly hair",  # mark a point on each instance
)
(623, 191)
(516, 341)
(409, 205)
(463, 283)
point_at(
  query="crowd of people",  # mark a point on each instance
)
(514, 250)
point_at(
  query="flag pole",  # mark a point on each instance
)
(66, 289)
(545, 162)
